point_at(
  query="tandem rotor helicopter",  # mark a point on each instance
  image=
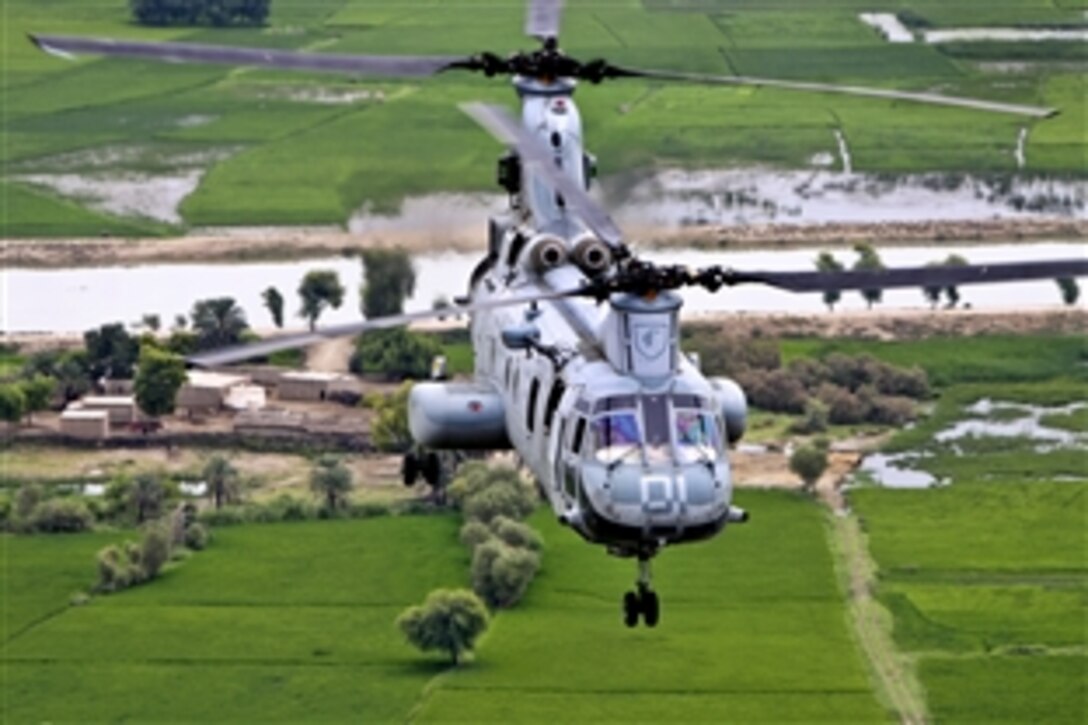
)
(578, 363)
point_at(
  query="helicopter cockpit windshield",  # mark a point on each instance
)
(663, 428)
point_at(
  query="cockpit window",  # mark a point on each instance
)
(614, 434)
(696, 436)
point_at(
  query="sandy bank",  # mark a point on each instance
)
(233, 245)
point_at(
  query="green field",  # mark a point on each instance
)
(283, 159)
(294, 621)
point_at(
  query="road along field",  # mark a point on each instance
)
(124, 148)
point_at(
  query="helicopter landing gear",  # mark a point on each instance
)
(642, 602)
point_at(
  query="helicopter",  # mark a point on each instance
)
(578, 363)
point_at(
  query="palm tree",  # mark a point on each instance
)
(331, 480)
(218, 322)
(221, 479)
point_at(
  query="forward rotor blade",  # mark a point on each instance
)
(917, 97)
(542, 18)
(498, 122)
(911, 276)
(239, 353)
(376, 65)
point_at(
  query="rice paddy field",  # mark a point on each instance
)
(246, 147)
(295, 621)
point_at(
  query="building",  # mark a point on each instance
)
(205, 393)
(120, 409)
(309, 386)
(90, 425)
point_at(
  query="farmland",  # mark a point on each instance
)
(252, 629)
(272, 149)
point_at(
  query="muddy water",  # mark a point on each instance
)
(73, 300)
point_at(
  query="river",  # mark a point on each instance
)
(73, 300)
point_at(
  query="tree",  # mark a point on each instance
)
(320, 288)
(1070, 290)
(389, 278)
(38, 393)
(218, 322)
(869, 260)
(449, 621)
(151, 322)
(331, 480)
(12, 403)
(396, 353)
(158, 379)
(221, 479)
(501, 574)
(952, 292)
(809, 463)
(70, 368)
(145, 497)
(111, 351)
(390, 429)
(827, 263)
(273, 300)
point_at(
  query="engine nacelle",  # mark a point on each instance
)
(542, 253)
(591, 255)
(457, 416)
(734, 407)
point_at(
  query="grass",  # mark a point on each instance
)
(294, 621)
(296, 162)
(987, 578)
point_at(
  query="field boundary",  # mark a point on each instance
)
(894, 674)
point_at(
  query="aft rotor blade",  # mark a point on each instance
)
(376, 65)
(497, 121)
(240, 353)
(542, 18)
(917, 97)
(936, 276)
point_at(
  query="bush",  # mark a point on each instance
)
(843, 407)
(396, 354)
(886, 409)
(809, 463)
(515, 533)
(907, 382)
(289, 508)
(501, 574)
(61, 515)
(449, 621)
(226, 516)
(814, 420)
(154, 550)
(27, 498)
(776, 391)
(514, 502)
(216, 13)
(196, 537)
(474, 533)
(115, 570)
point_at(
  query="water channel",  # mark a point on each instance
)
(73, 300)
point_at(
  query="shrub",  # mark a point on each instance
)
(907, 382)
(369, 509)
(515, 533)
(27, 498)
(843, 407)
(776, 390)
(196, 537)
(448, 621)
(61, 515)
(474, 533)
(226, 516)
(809, 463)
(886, 409)
(514, 501)
(501, 574)
(288, 508)
(154, 550)
(115, 571)
(814, 420)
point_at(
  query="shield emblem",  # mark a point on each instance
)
(651, 339)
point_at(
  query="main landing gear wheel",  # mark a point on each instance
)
(643, 602)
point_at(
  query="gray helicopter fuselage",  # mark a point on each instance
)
(624, 435)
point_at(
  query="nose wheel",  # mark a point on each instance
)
(642, 603)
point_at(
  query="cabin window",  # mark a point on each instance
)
(697, 437)
(554, 396)
(530, 413)
(615, 435)
(579, 434)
